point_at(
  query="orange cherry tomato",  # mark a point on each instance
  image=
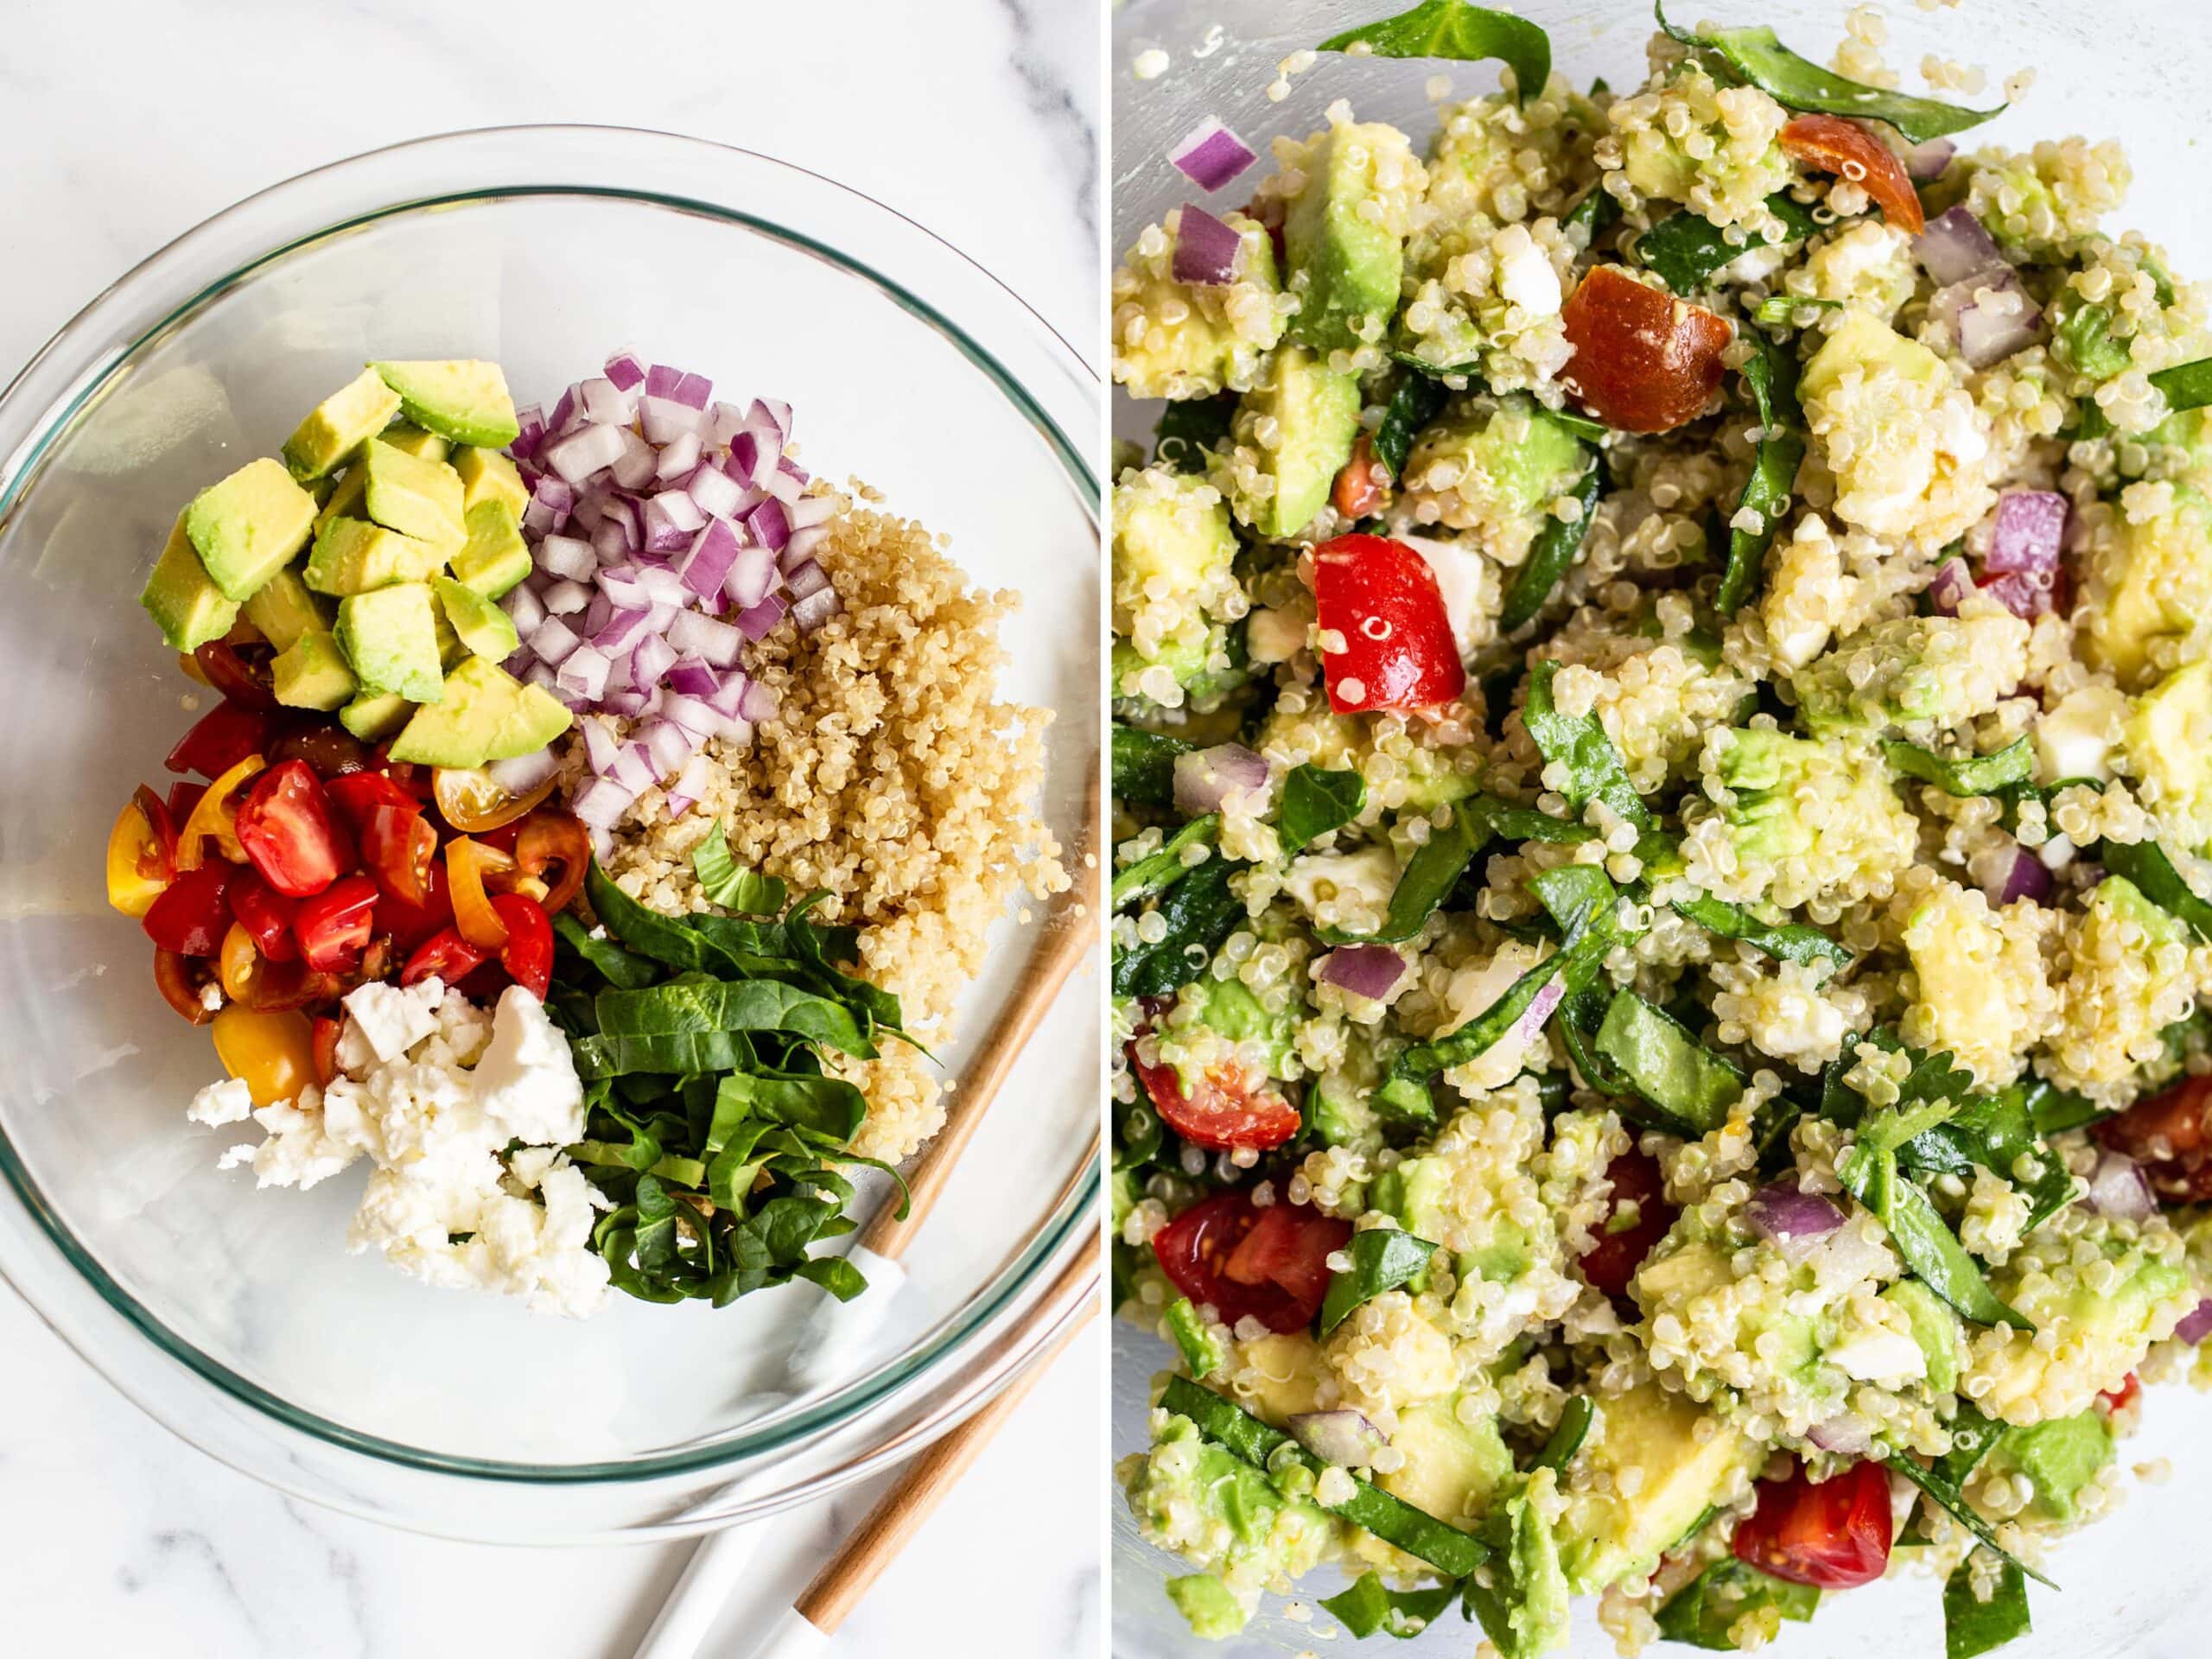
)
(239, 966)
(1644, 361)
(1358, 489)
(472, 802)
(141, 854)
(474, 913)
(552, 839)
(181, 980)
(216, 814)
(272, 1050)
(324, 1031)
(1830, 144)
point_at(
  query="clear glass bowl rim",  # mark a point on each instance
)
(1073, 1219)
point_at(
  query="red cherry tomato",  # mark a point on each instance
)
(223, 737)
(193, 913)
(528, 953)
(1280, 1281)
(410, 925)
(359, 793)
(2168, 1134)
(290, 833)
(448, 955)
(397, 846)
(324, 1033)
(1834, 1535)
(1357, 491)
(1829, 143)
(1644, 361)
(2126, 1394)
(1612, 1262)
(1221, 1113)
(265, 913)
(241, 678)
(1382, 598)
(180, 980)
(419, 782)
(333, 927)
(183, 796)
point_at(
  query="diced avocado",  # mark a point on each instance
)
(1172, 547)
(487, 476)
(1494, 468)
(1452, 1470)
(1774, 1339)
(1315, 413)
(1205, 1601)
(375, 716)
(450, 648)
(2128, 982)
(411, 440)
(495, 557)
(1340, 1100)
(1709, 1610)
(465, 400)
(1229, 1010)
(1796, 808)
(390, 639)
(1925, 673)
(1684, 1458)
(284, 609)
(2169, 743)
(1345, 246)
(421, 498)
(247, 527)
(346, 497)
(483, 627)
(1523, 1607)
(1219, 331)
(1205, 666)
(2060, 1457)
(182, 598)
(1418, 1192)
(1935, 1328)
(485, 715)
(1287, 1369)
(353, 556)
(1346, 742)
(332, 435)
(311, 673)
(1203, 1351)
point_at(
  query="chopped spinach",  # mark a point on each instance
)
(1704, 1612)
(1945, 1493)
(1869, 1173)
(1575, 1418)
(1794, 941)
(1972, 1626)
(1367, 1607)
(1200, 912)
(1314, 802)
(729, 883)
(1684, 249)
(1668, 1066)
(2145, 864)
(1427, 880)
(1159, 870)
(1578, 743)
(1771, 373)
(1780, 310)
(1597, 212)
(1974, 774)
(2186, 385)
(1452, 29)
(1414, 401)
(1381, 1258)
(1551, 553)
(1144, 766)
(1189, 428)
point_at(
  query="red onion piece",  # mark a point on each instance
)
(752, 574)
(811, 613)
(583, 674)
(808, 511)
(600, 746)
(2196, 1323)
(1925, 162)
(785, 484)
(706, 566)
(1530, 1024)
(665, 420)
(1990, 313)
(727, 698)
(2030, 531)
(627, 369)
(605, 402)
(679, 457)
(760, 703)
(1792, 1221)
(1342, 1438)
(565, 556)
(524, 609)
(567, 598)
(694, 715)
(524, 772)
(1950, 588)
(804, 578)
(691, 784)
(668, 744)
(662, 533)
(1372, 970)
(664, 586)
(553, 641)
(2020, 875)
(1845, 1435)
(1954, 246)
(1205, 777)
(2119, 1188)
(770, 524)
(776, 414)
(2026, 596)
(1206, 250)
(1212, 156)
(650, 660)
(529, 422)
(585, 451)
(716, 490)
(602, 803)
(565, 415)
(759, 621)
(633, 468)
(679, 509)
(723, 422)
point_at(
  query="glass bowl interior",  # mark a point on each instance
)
(908, 369)
(2094, 76)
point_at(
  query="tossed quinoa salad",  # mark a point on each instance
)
(1662, 773)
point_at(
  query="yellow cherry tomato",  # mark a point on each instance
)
(216, 814)
(190, 664)
(468, 862)
(137, 868)
(273, 1050)
(472, 802)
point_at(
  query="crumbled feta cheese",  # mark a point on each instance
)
(211, 997)
(228, 1102)
(526, 1080)
(391, 1018)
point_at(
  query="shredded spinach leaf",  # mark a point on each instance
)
(1158, 871)
(1972, 1626)
(2186, 385)
(1771, 373)
(1794, 941)
(1189, 428)
(1314, 802)
(1551, 553)
(1945, 1493)
(1452, 29)
(1597, 211)
(1575, 1418)
(1367, 1608)
(1780, 310)
(1974, 774)
(1144, 766)
(1704, 1612)
(1929, 1247)
(1200, 912)
(2145, 864)
(1427, 880)
(1666, 1065)
(729, 883)
(1687, 248)
(621, 966)
(1580, 743)
(1381, 1258)
(1414, 401)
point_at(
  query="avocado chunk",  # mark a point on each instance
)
(284, 609)
(247, 527)
(353, 556)
(2060, 1457)
(311, 673)
(1205, 1601)
(1603, 1537)
(182, 598)
(483, 628)
(486, 715)
(487, 476)
(1220, 331)
(333, 435)
(1523, 1607)
(390, 639)
(465, 400)
(2169, 743)
(1936, 1329)
(375, 716)
(495, 557)
(1343, 240)
(1495, 467)
(411, 440)
(1174, 551)
(1315, 411)
(1453, 1470)
(347, 497)
(417, 498)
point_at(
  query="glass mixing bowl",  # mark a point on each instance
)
(237, 1318)
(2129, 69)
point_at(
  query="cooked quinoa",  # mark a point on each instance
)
(1667, 902)
(893, 778)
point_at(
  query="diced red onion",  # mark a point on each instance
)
(668, 744)
(752, 574)
(661, 380)
(758, 621)
(716, 490)
(1546, 1002)
(805, 577)
(626, 516)
(602, 803)
(1990, 328)
(803, 543)
(770, 524)
(679, 509)
(600, 746)
(1954, 246)
(706, 566)
(620, 584)
(629, 702)
(567, 598)
(633, 768)
(753, 453)
(691, 784)
(1206, 778)
(1925, 162)
(597, 615)
(530, 420)
(2196, 1323)
(792, 470)
(2026, 596)
(691, 677)
(662, 533)
(553, 640)
(694, 635)
(565, 414)
(524, 609)
(1212, 156)
(539, 675)
(1845, 1435)
(556, 493)
(584, 673)
(664, 586)
(1371, 970)
(680, 456)
(692, 714)
(2030, 531)
(608, 544)
(1342, 1437)
(724, 421)
(2019, 875)
(2119, 1188)
(665, 420)
(776, 414)
(1951, 585)
(524, 772)
(587, 450)
(1792, 1221)
(810, 511)
(565, 556)
(591, 507)
(784, 485)
(627, 369)
(811, 613)
(1206, 250)
(728, 699)
(633, 467)
(761, 703)
(650, 661)
(605, 402)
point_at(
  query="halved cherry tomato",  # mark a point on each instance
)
(1199, 1250)
(242, 679)
(191, 915)
(190, 664)
(472, 802)
(272, 1050)
(397, 844)
(324, 1031)
(359, 793)
(1829, 143)
(164, 821)
(290, 833)
(416, 780)
(2170, 1134)
(2127, 1393)
(183, 796)
(411, 925)
(223, 737)
(1612, 1262)
(448, 955)
(214, 817)
(551, 838)
(265, 913)
(468, 862)
(503, 839)
(333, 751)
(1221, 1112)
(1834, 1535)
(333, 927)
(181, 980)
(1381, 597)
(239, 968)
(1644, 361)
(140, 854)
(528, 953)
(1357, 491)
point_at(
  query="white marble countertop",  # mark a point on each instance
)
(127, 122)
